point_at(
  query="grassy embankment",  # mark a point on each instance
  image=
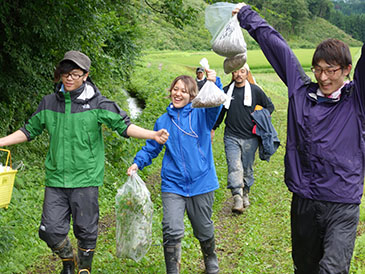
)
(256, 242)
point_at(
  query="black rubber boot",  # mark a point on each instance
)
(172, 254)
(68, 267)
(85, 260)
(210, 257)
(65, 252)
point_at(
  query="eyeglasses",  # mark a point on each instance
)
(328, 72)
(74, 75)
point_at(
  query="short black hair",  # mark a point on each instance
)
(333, 52)
(65, 67)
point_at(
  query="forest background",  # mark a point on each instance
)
(140, 46)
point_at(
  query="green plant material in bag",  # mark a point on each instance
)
(134, 212)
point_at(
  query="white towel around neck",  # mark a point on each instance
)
(247, 100)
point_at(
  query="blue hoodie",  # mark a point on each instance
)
(188, 166)
(325, 148)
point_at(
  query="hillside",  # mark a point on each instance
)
(160, 35)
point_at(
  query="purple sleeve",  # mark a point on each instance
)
(275, 48)
(359, 77)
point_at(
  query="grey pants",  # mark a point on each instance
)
(58, 207)
(199, 211)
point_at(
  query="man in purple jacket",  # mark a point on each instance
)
(325, 149)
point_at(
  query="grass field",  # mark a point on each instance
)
(255, 58)
(258, 241)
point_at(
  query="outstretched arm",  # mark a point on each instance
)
(359, 78)
(14, 138)
(274, 46)
(159, 136)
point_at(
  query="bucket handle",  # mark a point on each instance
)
(8, 158)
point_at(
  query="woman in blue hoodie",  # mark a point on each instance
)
(188, 173)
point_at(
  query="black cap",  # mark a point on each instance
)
(199, 69)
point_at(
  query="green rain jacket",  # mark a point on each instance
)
(74, 122)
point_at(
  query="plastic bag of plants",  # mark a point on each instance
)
(134, 212)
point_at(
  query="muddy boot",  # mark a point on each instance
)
(65, 252)
(172, 252)
(85, 260)
(237, 204)
(210, 257)
(237, 201)
(245, 200)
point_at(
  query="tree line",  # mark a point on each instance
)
(350, 17)
(34, 34)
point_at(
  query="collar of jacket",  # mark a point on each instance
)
(176, 112)
(345, 92)
(80, 95)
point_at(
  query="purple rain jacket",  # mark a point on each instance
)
(325, 146)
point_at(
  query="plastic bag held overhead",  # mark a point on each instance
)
(209, 95)
(134, 212)
(228, 40)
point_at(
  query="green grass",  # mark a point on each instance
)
(255, 58)
(258, 241)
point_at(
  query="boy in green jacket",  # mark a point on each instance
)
(73, 116)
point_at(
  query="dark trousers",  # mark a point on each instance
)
(58, 207)
(323, 235)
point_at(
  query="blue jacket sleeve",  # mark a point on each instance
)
(275, 48)
(148, 152)
(218, 83)
(212, 115)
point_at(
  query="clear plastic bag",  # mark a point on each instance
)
(209, 95)
(230, 42)
(134, 212)
(216, 17)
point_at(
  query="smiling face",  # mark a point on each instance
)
(330, 77)
(331, 64)
(74, 79)
(180, 95)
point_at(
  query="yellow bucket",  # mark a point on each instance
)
(6, 182)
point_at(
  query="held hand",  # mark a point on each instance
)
(161, 136)
(211, 75)
(237, 8)
(212, 133)
(132, 169)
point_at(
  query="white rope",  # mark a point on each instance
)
(194, 135)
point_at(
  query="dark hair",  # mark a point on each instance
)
(333, 52)
(64, 67)
(190, 85)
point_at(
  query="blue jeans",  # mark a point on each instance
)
(240, 155)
